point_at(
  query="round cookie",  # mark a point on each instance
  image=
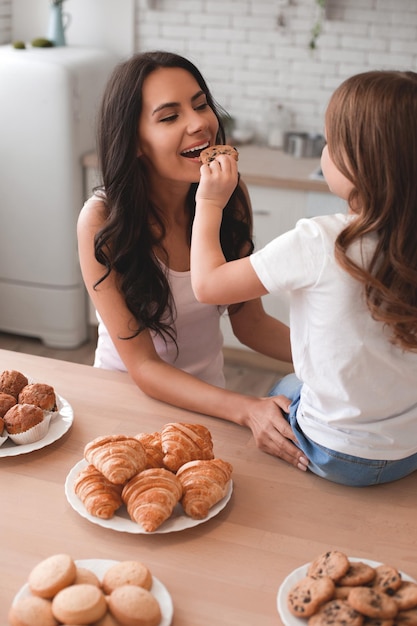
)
(79, 604)
(32, 611)
(134, 606)
(308, 594)
(406, 618)
(378, 621)
(107, 620)
(126, 573)
(387, 578)
(86, 576)
(336, 612)
(333, 563)
(209, 154)
(51, 575)
(359, 573)
(406, 596)
(372, 602)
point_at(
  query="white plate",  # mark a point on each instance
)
(100, 567)
(288, 619)
(60, 424)
(121, 520)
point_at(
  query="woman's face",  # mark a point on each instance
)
(337, 182)
(175, 124)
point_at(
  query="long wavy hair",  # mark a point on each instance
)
(126, 242)
(371, 124)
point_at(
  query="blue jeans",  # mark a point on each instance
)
(335, 466)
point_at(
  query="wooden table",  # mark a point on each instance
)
(226, 571)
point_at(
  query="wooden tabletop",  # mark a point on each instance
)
(226, 571)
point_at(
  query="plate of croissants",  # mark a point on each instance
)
(159, 482)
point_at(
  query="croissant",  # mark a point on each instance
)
(153, 448)
(150, 497)
(100, 497)
(185, 442)
(204, 483)
(117, 457)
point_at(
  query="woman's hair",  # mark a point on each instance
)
(126, 242)
(371, 125)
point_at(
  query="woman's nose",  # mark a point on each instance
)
(196, 122)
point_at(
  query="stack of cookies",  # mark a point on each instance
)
(60, 592)
(338, 591)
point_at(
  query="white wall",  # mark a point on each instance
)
(249, 61)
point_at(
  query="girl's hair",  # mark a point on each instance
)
(126, 242)
(371, 125)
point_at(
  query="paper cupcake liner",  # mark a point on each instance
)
(3, 439)
(33, 434)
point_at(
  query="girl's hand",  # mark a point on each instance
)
(218, 181)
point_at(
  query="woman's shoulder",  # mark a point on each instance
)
(94, 210)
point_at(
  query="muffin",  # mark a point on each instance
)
(40, 395)
(6, 402)
(26, 423)
(12, 382)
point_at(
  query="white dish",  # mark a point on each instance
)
(290, 620)
(121, 520)
(61, 422)
(99, 567)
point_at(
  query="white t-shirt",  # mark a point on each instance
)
(359, 394)
(199, 337)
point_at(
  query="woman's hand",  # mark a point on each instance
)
(272, 432)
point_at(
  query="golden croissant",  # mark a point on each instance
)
(100, 497)
(150, 497)
(153, 448)
(185, 442)
(204, 483)
(117, 457)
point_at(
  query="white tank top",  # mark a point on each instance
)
(198, 336)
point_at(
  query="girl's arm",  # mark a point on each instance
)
(166, 383)
(214, 280)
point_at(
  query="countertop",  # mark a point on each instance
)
(225, 571)
(259, 165)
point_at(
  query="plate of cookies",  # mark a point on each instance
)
(32, 414)
(159, 482)
(62, 590)
(338, 589)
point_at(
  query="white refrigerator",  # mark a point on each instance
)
(49, 98)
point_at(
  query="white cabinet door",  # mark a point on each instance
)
(275, 211)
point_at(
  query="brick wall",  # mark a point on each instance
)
(255, 53)
(5, 21)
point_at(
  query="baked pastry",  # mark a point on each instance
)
(185, 442)
(79, 604)
(21, 417)
(117, 457)
(204, 483)
(40, 395)
(153, 448)
(209, 154)
(2, 427)
(51, 575)
(31, 611)
(134, 606)
(6, 402)
(12, 382)
(127, 573)
(333, 563)
(308, 594)
(150, 497)
(100, 497)
(336, 612)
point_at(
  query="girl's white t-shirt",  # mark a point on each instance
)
(359, 394)
(198, 335)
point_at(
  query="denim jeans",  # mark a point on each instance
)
(340, 468)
